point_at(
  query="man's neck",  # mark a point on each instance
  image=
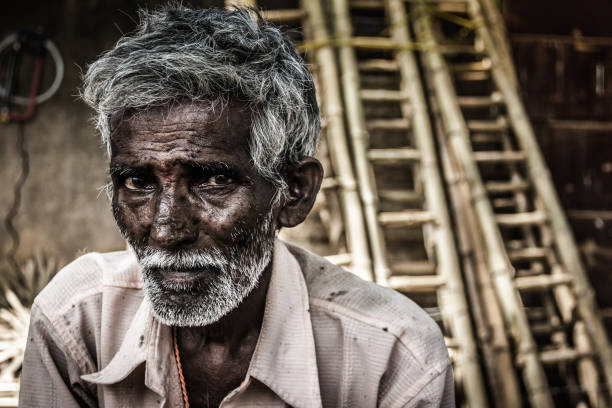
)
(231, 330)
(216, 358)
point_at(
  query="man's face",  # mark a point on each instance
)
(190, 203)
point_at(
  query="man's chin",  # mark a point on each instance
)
(198, 303)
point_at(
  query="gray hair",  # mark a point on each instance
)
(213, 55)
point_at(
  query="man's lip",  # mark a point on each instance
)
(183, 276)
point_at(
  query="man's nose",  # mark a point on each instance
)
(172, 225)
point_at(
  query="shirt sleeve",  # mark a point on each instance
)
(50, 378)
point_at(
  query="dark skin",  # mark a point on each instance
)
(183, 179)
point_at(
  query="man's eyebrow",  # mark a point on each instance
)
(209, 166)
(118, 169)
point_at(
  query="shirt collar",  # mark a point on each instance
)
(285, 355)
(284, 358)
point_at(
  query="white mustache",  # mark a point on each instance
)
(156, 258)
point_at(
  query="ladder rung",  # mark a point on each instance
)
(9, 401)
(405, 218)
(9, 387)
(394, 155)
(367, 4)
(518, 219)
(541, 281)
(388, 124)
(482, 65)
(329, 183)
(498, 125)
(413, 268)
(416, 283)
(375, 65)
(284, 15)
(541, 329)
(479, 101)
(340, 259)
(499, 187)
(401, 196)
(562, 355)
(528, 254)
(382, 95)
(498, 156)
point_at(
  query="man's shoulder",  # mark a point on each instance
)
(86, 277)
(343, 294)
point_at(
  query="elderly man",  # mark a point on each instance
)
(211, 125)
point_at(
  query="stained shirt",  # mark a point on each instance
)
(328, 339)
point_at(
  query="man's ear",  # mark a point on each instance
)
(303, 181)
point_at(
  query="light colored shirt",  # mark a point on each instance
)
(328, 339)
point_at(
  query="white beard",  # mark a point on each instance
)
(226, 279)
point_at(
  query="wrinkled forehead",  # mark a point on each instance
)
(227, 120)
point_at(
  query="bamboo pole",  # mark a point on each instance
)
(498, 262)
(453, 304)
(588, 373)
(497, 27)
(542, 181)
(488, 319)
(360, 140)
(339, 152)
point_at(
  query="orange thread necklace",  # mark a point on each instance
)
(177, 355)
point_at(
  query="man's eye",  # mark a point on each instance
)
(219, 180)
(136, 183)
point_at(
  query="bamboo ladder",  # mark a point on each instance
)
(308, 20)
(528, 244)
(383, 98)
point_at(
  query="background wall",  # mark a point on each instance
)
(62, 211)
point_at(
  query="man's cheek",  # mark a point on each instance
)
(134, 223)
